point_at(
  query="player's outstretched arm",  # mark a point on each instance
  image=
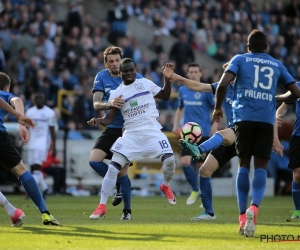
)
(291, 95)
(165, 92)
(106, 120)
(193, 85)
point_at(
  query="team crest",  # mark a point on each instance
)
(133, 102)
(118, 146)
(197, 95)
(139, 86)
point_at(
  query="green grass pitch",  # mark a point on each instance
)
(155, 225)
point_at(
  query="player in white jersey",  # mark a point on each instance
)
(38, 146)
(142, 136)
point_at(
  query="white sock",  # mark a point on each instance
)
(10, 209)
(40, 180)
(108, 183)
(168, 169)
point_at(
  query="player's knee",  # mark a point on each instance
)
(112, 171)
(205, 171)
(97, 155)
(19, 169)
(296, 175)
(169, 163)
(185, 161)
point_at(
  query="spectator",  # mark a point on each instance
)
(181, 53)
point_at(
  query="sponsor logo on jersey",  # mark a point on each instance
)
(133, 102)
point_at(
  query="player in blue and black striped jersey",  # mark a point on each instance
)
(256, 75)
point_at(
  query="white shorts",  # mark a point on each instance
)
(36, 156)
(138, 144)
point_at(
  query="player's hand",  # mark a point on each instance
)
(24, 134)
(279, 120)
(217, 114)
(94, 122)
(168, 70)
(277, 147)
(118, 102)
(25, 121)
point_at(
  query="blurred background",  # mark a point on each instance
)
(55, 47)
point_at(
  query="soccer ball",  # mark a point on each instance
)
(191, 132)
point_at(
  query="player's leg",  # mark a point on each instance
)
(262, 151)
(102, 151)
(217, 158)
(223, 137)
(158, 146)
(125, 192)
(244, 148)
(190, 176)
(33, 192)
(11, 160)
(39, 178)
(125, 150)
(109, 182)
(168, 168)
(16, 215)
(189, 173)
(294, 164)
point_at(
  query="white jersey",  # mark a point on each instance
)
(139, 111)
(40, 135)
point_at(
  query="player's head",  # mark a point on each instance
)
(4, 82)
(39, 100)
(128, 70)
(194, 72)
(257, 41)
(112, 59)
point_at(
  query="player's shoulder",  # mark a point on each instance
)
(102, 74)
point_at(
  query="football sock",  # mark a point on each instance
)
(40, 179)
(33, 191)
(191, 177)
(212, 143)
(125, 188)
(296, 194)
(242, 188)
(206, 194)
(168, 169)
(9, 208)
(258, 186)
(108, 183)
(99, 166)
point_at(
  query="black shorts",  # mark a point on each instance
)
(294, 152)
(203, 157)
(254, 138)
(107, 139)
(9, 156)
(224, 154)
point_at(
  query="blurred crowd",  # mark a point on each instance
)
(43, 53)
